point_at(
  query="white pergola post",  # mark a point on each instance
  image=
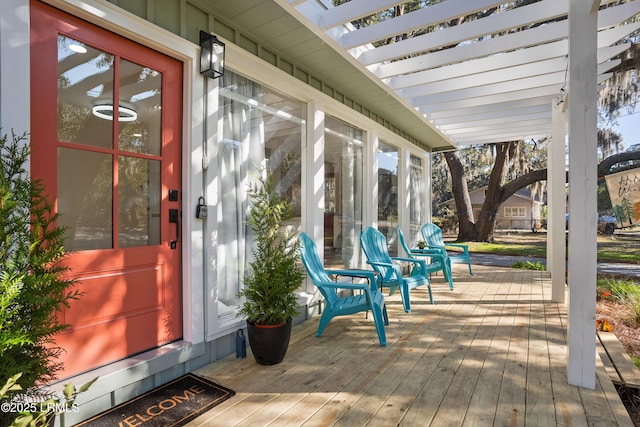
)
(581, 334)
(557, 202)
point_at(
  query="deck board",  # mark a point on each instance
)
(490, 352)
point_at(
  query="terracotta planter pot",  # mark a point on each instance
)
(269, 343)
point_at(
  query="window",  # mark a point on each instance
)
(343, 165)
(515, 211)
(262, 129)
(388, 194)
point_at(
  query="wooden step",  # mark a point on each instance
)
(617, 362)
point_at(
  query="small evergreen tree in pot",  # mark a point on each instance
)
(275, 272)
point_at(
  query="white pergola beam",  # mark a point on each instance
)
(478, 125)
(613, 16)
(546, 58)
(511, 42)
(503, 107)
(514, 18)
(419, 19)
(352, 10)
(496, 82)
(475, 66)
(488, 78)
(548, 91)
(508, 127)
(497, 45)
(613, 35)
(556, 79)
(492, 116)
(502, 137)
(427, 104)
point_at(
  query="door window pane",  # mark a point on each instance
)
(85, 92)
(140, 114)
(88, 81)
(138, 202)
(343, 193)
(388, 194)
(85, 199)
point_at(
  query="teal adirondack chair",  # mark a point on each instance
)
(432, 235)
(374, 245)
(437, 262)
(369, 298)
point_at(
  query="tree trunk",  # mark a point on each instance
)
(482, 229)
(493, 196)
(464, 210)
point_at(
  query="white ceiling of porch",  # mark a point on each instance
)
(489, 80)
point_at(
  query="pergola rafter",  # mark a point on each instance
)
(509, 55)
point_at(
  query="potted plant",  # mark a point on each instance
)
(274, 274)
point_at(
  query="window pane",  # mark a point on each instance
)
(261, 129)
(85, 198)
(343, 193)
(416, 194)
(138, 202)
(388, 194)
(140, 114)
(85, 90)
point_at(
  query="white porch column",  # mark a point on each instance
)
(370, 196)
(313, 176)
(404, 183)
(428, 179)
(14, 67)
(581, 349)
(557, 202)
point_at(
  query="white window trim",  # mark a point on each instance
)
(515, 212)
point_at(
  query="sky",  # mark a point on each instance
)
(629, 127)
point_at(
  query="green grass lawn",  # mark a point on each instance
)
(506, 248)
(620, 247)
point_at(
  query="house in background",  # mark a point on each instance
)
(521, 211)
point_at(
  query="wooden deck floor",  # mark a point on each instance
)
(490, 352)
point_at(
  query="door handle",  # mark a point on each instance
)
(174, 217)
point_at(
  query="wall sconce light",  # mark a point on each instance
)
(211, 56)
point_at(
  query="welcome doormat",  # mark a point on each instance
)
(171, 405)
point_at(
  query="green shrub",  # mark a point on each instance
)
(275, 273)
(627, 293)
(39, 414)
(528, 265)
(32, 286)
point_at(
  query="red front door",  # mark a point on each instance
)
(105, 134)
